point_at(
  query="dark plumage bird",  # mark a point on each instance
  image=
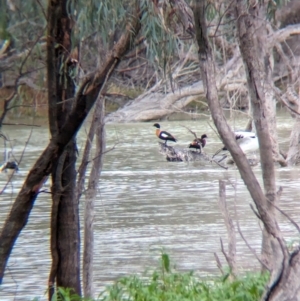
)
(163, 135)
(9, 166)
(198, 143)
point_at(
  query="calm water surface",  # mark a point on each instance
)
(145, 205)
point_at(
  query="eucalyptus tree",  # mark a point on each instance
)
(72, 93)
(61, 62)
(70, 101)
(284, 266)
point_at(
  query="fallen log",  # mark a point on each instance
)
(181, 154)
(176, 154)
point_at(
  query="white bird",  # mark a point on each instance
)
(247, 141)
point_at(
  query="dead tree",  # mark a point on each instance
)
(284, 283)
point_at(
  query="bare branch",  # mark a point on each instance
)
(255, 212)
(24, 124)
(219, 264)
(224, 252)
(42, 8)
(250, 248)
(219, 164)
(284, 33)
(195, 135)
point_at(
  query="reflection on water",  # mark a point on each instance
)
(145, 205)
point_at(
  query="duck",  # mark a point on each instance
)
(247, 141)
(9, 167)
(163, 135)
(199, 143)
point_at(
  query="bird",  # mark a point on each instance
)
(247, 141)
(163, 135)
(9, 167)
(198, 143)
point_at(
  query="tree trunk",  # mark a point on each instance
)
(65, 235)
(83, 102)
(91, 193)
(251, 33)
(67, 228)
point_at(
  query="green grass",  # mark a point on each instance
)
(164, 284)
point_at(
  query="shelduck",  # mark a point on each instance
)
(198, 143)
(163, 135)
(9, 167)
(247, 141)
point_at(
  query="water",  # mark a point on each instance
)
(144, 205)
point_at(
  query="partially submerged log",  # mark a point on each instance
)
(177, 154)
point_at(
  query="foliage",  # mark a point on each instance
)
(168, 285)
(97, 26)
(105, 20)
(65, 294)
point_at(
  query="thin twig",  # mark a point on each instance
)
(190, 131)
(42, 8)
(256, 213)
(219, 264)
(214, 130)
(7, 182)
(286, 215)
(221, 17)
(224, 253)
(213, 160)
(250, 248)
(26, 144)
(24, 124)
(29, 53)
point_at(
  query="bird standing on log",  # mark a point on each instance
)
(199, 143)
(163, 135)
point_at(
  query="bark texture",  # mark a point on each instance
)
(91, 193)
(65, 238)
(83, 102)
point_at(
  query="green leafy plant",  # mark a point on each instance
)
(66, 294)
(166, 284)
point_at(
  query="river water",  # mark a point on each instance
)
(145, 205)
